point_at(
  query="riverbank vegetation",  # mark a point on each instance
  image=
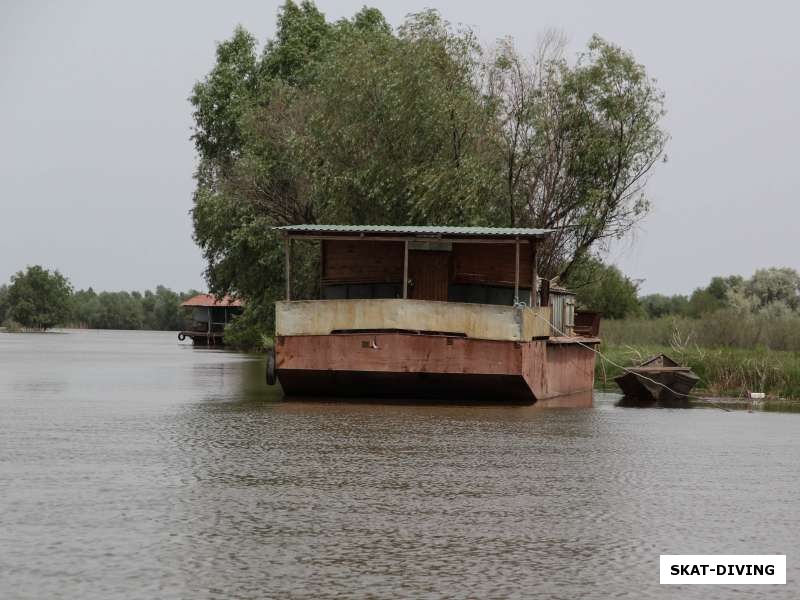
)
(736, 333)
(728, 372)
(38, 299)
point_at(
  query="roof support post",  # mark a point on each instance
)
(516, 272)
(287, 251)
(535, 301)
(405, 269)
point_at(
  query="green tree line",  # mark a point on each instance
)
(769, 293)
(40, 299)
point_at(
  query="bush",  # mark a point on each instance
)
(253, 329)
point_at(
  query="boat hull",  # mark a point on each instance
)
(399, 365)
(673, 386)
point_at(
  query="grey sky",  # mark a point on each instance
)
(96, 163)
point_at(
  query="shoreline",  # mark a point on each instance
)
(702, 399)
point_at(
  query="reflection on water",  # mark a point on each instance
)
(133, 466)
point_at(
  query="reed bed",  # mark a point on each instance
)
(729, 372)
(721, 329)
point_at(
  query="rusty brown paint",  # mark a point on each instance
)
(534, 369)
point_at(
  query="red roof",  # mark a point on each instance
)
(209, 300)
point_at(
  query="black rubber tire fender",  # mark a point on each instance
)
(181, 336)
(272, 377)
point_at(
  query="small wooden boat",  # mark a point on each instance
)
(658, 379)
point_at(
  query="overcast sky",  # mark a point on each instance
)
(96, 162)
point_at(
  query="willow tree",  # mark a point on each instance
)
(577, 142)
(349, 123)
(355, 122)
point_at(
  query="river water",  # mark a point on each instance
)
(132, 466)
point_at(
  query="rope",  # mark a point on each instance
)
(522, 306)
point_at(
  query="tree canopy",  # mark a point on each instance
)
(38, 298)
(773, 292)
(603, 288)
(356, 122)
(3, 302)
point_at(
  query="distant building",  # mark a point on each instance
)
(206, 318)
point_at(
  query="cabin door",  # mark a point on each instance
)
(428, 274)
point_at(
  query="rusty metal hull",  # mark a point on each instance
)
(398, 365)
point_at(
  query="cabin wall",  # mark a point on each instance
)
(355, 261)
(491, 264)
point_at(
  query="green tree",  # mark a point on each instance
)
(659, 305)
(302, 34)
(118, 310)
(702, 302)
(219, 102)
(578, 143)
(722, 287)
(399, 129)
(39, 298)
(718, 294)
(355, 122)
(3, 302)
(775, 286)
(603, 288)
(166, 313)
(84, 307)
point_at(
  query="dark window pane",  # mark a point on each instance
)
(386, 290)
(360, 292)
(503, 296)
(334, 292)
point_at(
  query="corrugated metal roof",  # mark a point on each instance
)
(417, 230)
(209, 300)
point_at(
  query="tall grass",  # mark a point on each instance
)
(731, 352)
(722, 371)
(721, 329)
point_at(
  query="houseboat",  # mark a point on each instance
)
(454, 314)
(206, 318)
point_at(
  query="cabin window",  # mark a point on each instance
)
(362, 291)
(475, 293)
